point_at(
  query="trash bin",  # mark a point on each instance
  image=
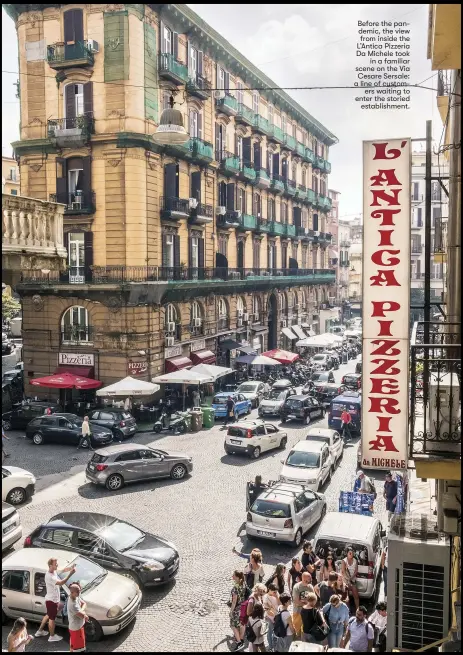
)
(208, 414)
(196, 420)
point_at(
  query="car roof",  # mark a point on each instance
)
(320, 432)
(309, 446)
(242, 424)
(121, 448)
(67, 415)
(38, 558)
(91, 521)
(282, 382)
(345, 398)
(352, 527)
(282, 491)
(225, 393)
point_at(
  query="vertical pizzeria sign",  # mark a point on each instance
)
(386, 302)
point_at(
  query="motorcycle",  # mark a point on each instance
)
(177, 422)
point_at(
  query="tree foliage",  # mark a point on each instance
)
(10, 307)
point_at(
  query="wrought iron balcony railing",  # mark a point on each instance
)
(172, 69)
(77, 202)
(228, 104)
(71, 131)
(229, 162)
(61, 55)
(198, 85)
(174, 208)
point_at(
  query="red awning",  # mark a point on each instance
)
(177, 363)
(81, 371)
(203, 357)
(283, 356)
(66, 381)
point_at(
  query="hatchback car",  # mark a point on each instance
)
(111, 543)
(301, 407)
(119, 421)
(275, 401)
(11, 526)
(253, 391)
(322, 376)
(285, 512)
(116, 465)
(322, 362)
(112, 601)
(242, 405)
(17, 485)
(253, 438)
(352, 381)
(20, 416)
(326, 391)
(308, 463)
(333, 440)
(65, 429)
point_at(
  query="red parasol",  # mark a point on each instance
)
(66, 381)
(283, 356)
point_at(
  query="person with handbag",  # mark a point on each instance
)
(230, 410)
(237, 596)
(336, 615)
(314, 626)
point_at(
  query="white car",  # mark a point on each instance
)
(11, 526)
(17, 485)
(253, 438)
(308, 463)
(333, 440)
(112, 599)
(253, 391)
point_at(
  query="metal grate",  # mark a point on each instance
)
(422, 614)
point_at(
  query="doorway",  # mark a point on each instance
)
(272, 322)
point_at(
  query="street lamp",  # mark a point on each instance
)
(170, 130)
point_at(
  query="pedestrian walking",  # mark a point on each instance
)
(4, 438)
(301, 590)
(346, 420)
(237, 597)
(283, 628)
(314, 628)
(255, 629)
(390, 494)
(379, 622)
(18, 638)
(278, 578)
(384, 570)
(84, 441)
(349, 573)
(271, 602)
(325, 589)
(230, 410)
(309, 560)
(295, 573)
(336, 616)
(360, 634)
(53, 583)
(254, 571)
(77, 617)
(196, 398)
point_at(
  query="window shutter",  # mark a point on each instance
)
(78, 25)
(88, 254)
(191, 123)
(200, 62)
(68, 19)
(269, 209)
(269, 162)
(217, 75)
(227, 81)
(61, 180)
(190, 72)
(201, 253)
(190, 253)
(176, 251)
(200, 125)
(231, 197)
(247, 158)
(276, 164)
(236, 144)
(315, 222)
(175, 45)
(87, 180)
(269, 256)
(161, 37)
(64, 275)
(88, 99)
(170, 180)
(195, 184)
(217, 142)
(70, 103)
(164, 251)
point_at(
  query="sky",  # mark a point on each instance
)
(302, 45)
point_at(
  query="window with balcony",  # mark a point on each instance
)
(272, 256)
(242, 201)
(73, 183)
(304, 257)
(257, 205)
(418, 217)
(196, 318)
(192, 61)
(167, 41)
(271, 209)
(171, 319)
(256, 308)
(304, 177)
(283, 123)
(240, 307)
(294, 130)
(221, 78)
(170, 255)
(284, 212)
(294, 172)
(76, 253)
(222, 244)
(315, 222)
(196, 124)
(416, 191)
(239, 148)
(256, 253)
(284, 255)
(73, 20)
(220, 141)
(270, 114)
(222, 314)
(282, 303)
(314, 184)
(255, 103)
(240, 93)
(75, 325)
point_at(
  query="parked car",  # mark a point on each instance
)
(253, 438)
(242, 405)
(301, 407)
(352, 381)
(121, 422)
(364, 534)
(308, 463)
(112, 600)
(15, 376)
(66, 429)
(322, 376)
(253, 391)
(285, 512)
(333, 440)
(113, 466)
(21, 415)
(275, 401)
(114, 544)
(17, 485)
(322, 362)
(358, 367)
(335, 360)
(7, 345)
(325, 391)
(11, 526)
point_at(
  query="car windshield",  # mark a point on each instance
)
(246, 388)
(350, 378)
(236, 432)
(220, 400)
(271, 508)
(319, 376)
(87, 573)
(318, 358)
(318, 437)
(276, 394)
(121, 536)
(292, 403)
(339, 548)
(301, 459)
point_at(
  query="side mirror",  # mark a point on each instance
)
(383, 533)
(162, 458)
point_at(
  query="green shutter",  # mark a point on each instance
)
(151, 74)
(116, 46)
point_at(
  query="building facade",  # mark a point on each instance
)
(333, 224)
(171, 249)
(10, 176)
(344, 241)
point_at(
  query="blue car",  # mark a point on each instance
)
(242, 405)
(350, 400)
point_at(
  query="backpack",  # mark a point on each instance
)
(373, 489)
(279, 628)
(250, 634)
(368, 623)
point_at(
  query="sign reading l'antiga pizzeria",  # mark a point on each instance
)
(76, 359)
(386, 302)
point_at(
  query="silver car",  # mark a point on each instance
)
(275, 401)
(113, 466)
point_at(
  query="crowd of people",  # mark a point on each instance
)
(309, 600)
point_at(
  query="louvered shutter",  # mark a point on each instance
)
(87, 180)
(175, 45)
(88, 100)
(70, 104)
(200, 125)
(195, 182)
(231, 196)
(88, 255)
(61, 180)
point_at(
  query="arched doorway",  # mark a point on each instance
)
(272, 322)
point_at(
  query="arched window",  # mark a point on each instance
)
(240, 307)
(196, 318)
(222, 314)
(282, 303)
(256, 307)
(75, 325)
(304, 177)
(171, 318)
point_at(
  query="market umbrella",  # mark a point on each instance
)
(184, 377)
(66, 381)
(282, 356)
(129, 386)
(211, 370)
(256, 360)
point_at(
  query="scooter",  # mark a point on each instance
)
(177, 422)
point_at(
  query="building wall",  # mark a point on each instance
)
(10, 176)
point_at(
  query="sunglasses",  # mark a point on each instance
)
(328, 559)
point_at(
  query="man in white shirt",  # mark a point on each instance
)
(84, 441)
(379, 620)
(52, 598)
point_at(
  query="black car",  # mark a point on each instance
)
(352, 381)
(119, 421)
(21, 415)
(358, 367)
(325, 392)
(66, 429)
(302, 408)
(112, 543)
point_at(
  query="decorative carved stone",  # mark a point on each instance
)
(37, 303)
(114, 304)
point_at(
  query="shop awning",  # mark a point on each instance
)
(203, 357)
(298, 331)
(249, 350)
(229, 344)
(177, 363)
(259, 328)
(282, 356)
(83, 371)
(289, 333)
(66, 381)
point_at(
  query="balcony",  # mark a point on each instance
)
(199, 86)
(262, 180)
(79, 202)
(327, 167)
(277, 184)
(201, 151)
(276, 134)
(290, 189)
(229, 163)
(263, 226)
(77, 335)
(416, 248)
(247, 222)
(309, 155)
(71, 132)
(244, 115)
(311, 196)
(291, 231)
(227, 218)
(435, 395)
(261, 124)
(318, 162)
(324, 202)
(247, 172)
(277, 229)
(300, 149)
(201, 214)
(344, 244)
(324, 238)
(227, 105)
(344, 263)
(61, 56)
(174, 209)
(172, 69)
(301, 193)
(290, 142)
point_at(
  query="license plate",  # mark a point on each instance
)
(263, 533)
(237, 443)
(91, 467)
(9, 528)
(132, 429)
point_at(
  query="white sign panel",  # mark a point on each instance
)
(386, 302)
(173, 351)
(76, 359)
(198, 345)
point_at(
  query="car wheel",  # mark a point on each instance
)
(114, 482)
(307, 419)
(93, 630)
(178, 472)
(323, 512)
(283, 443)
(297, 538)
(132, 576)
(255, 453)
(16, 496)
(118, 435)
(6, 424)
(236, 416)
(37, 439)
(157, 427)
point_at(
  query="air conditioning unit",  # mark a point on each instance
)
(448, 509)
(316, 234)
(197, 322)
(193, 203)
(93, 45)
(245, 317)
(239, 322)
(170, 341)
(219, 94)
(221, 211)
(171, 326)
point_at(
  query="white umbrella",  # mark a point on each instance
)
(257, 360)
(330, 338)
(210, 370)
(129, 387)
(184, 376)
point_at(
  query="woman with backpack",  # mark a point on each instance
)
(254, 571)
(283, 629)
(255, 630)
(238, 593)
(278, 578)
(336, 616)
